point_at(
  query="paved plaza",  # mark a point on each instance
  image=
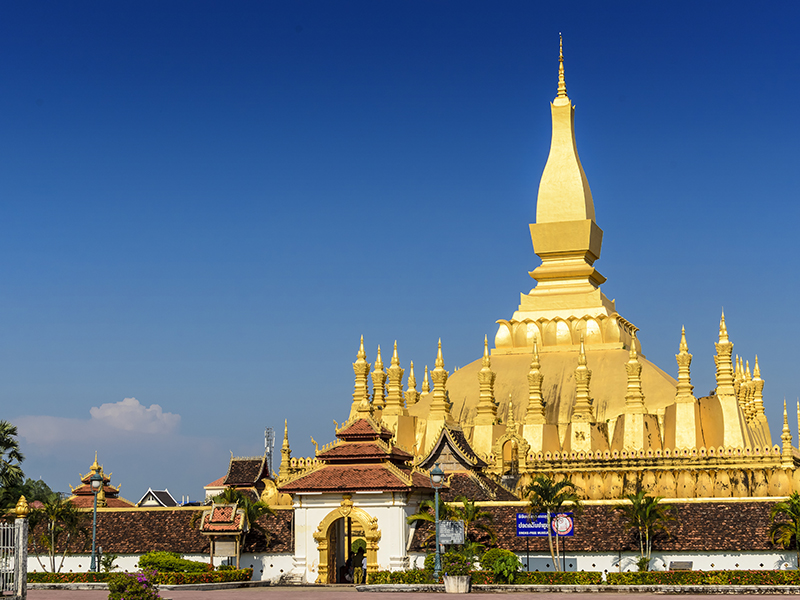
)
(326, 593)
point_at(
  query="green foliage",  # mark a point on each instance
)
(54, 526)
(427, 514)
(453, 563)
(10, 456)
(132, 586)
(33, 490)
(785, 526)
(705, 578)
(412, 576)
(171, 562)
(107, 562)
(226, 568)
(503, 563)
(359, 543)
(647, 516)
(542, 578)
(253, 510)
(474, 518)
(159, 578)
(549, 497)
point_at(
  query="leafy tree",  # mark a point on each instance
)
(785, 526)
(474, 518)
(549, 497)
(54, 526)
(647, 516)
(10, 456)
(426, 514)
(32, 490)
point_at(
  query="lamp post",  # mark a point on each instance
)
(97, 482)
(436, 481)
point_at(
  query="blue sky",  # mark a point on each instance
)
(203, 205)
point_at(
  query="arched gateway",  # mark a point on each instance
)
(326, 538)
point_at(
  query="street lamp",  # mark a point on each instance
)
(97, 482)
(436, 482)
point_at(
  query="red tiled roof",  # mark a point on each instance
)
(210, 524)
(362, 450)
(476, 487)
(246, 471)
(88, 502)
(707, 526)
(370, 476)
(362, 429)
(142, 530)
(217, 482)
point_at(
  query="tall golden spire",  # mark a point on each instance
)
(684, 389)
(723, 359)
(535, 412)
(394, 387)
(378, 379)
(583, 403)
(487, 407)
(562, 85)
(361, 391)
(426, 384)
(286, 454)
(412, 395)
(440, 407)
(787, 460)
(758, 395)
(634, 398)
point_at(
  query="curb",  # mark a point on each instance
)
(227, 585)
(593, 589)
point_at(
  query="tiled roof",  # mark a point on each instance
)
(454, 438)
(351, 477)
(361, 429)
(477, 487)
(217, 482)
(222, 517)
(722, 526)
(362, 450)
(163, 497)
(246, 471)
(111, 502)
(142, 530)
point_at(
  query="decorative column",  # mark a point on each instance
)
(286, 456)
(682, 420)
(439, 413)
(412, 395)
(394, 388)
(21, 548)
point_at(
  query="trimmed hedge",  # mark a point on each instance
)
(161, 578)
(705, 578)
(172, 562)
(487, 577)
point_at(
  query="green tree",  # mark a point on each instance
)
(785, 526)
(57, 523)
(647, 516)
(426, 514)
(549, 497)
(32, 490)
(10, 456)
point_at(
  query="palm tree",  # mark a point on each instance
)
(549, 497)
(473, 517)
(647, 516)
(786, 531)
(426, 514)
(62, 522)
(10, 456)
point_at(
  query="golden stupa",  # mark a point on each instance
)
(566, 389)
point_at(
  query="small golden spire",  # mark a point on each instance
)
(486, 361)
(395, 361)
(786, 437)
(756, 370)
(723, 331)
(582, 355)
(22, 509)
(534, 414)
(511, 424)
(378, 361)
(439, 360)
(95, 468)
(412, 395)
(285, 433)
(412, 380)
(426, 385)
(798, 416)
(361, 354)
(683, 346)
(562, 85)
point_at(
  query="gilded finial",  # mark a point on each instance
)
(756, 370)
(22, 509)
(361, 354)
(582, 355)
(439, 360)
(378, 361)
(562, 85)
(426, 385)
(486, 361)
(723, 330)
(747, 376)
(285, 434)
(395, 360)
(683, 345)
(95, 468)
(412, 380)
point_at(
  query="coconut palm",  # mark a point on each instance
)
(647, 516)
(549, 497)
(54, 525)
(426, 514)
(785, 527)
(10, 456)
(473, 517)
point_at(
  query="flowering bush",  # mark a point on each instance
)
(542, 578)
(133, 586)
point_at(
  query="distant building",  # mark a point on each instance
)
(107, 497)
(157, 498)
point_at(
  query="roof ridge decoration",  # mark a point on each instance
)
(408, 479)
(482, 484)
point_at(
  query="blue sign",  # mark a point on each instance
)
(536, 526)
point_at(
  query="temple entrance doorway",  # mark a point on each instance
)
(347, 549)
(342, 532)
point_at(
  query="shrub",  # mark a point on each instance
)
(453, 563)
(171, 562)
(132, 586)
(160, 578)
(705, 578)
(89, 577)
(504, 564)
(226, 568)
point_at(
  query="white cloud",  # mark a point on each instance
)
(130, 415)
(107, 421)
